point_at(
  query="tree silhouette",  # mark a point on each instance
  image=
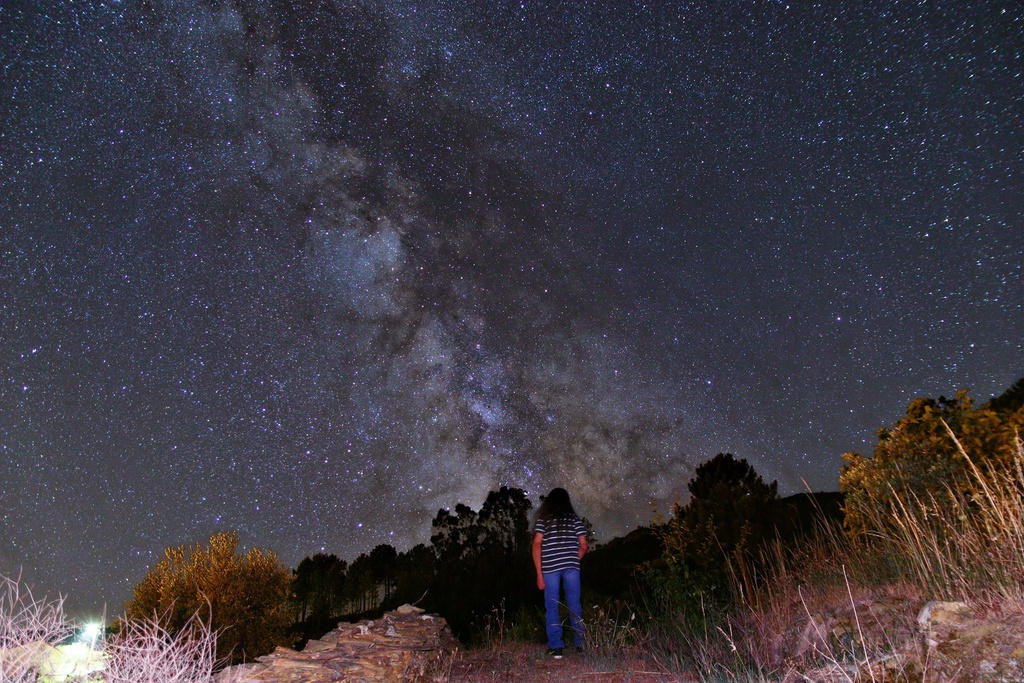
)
(455, 536)
(477, 561)
(361, 588)
(1010, 401)
(504, 519)
(482, 560)
(384, 568)
(318, 587)
(730, 513)
(414, 573)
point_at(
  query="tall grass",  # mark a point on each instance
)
(29, 628)
(838, 608)
(33, 632)
(810, 607)
(143, 651)
(969, 541)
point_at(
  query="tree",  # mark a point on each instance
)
(1010, 401)
(414, 572)
(384, 568)
(455, 536)
(360, 588)
(505, 519)
(242, 597)
(730, 514)
(318, 587)
(482, 560)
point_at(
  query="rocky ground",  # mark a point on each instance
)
(901, 639)
(407, 645)
(871, 640)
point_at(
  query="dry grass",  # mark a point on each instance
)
(831, 609)
(32, 631)
(830, 631)
(972, 543)
(143, 651)
(29, 628)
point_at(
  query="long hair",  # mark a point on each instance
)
(556, 506)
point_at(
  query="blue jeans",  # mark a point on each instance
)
(554, 582)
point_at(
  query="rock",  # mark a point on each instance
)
(49, 663)
(18, 661)
(972, 644)
(939, 612)
(409, 609)
(401, 646)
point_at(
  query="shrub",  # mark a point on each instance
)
(243, 597)
(916, 460)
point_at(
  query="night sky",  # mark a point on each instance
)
(312, 270)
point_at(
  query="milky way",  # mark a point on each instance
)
(313, 270)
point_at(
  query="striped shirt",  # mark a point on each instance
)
(560, 544)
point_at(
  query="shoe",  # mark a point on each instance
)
(555, 652)
(580, 649)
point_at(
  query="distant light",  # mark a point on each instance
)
(91, 633)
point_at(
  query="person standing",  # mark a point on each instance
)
(559, 543)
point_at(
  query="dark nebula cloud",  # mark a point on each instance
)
(313, 270)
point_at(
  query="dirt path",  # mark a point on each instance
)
(530, 664)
